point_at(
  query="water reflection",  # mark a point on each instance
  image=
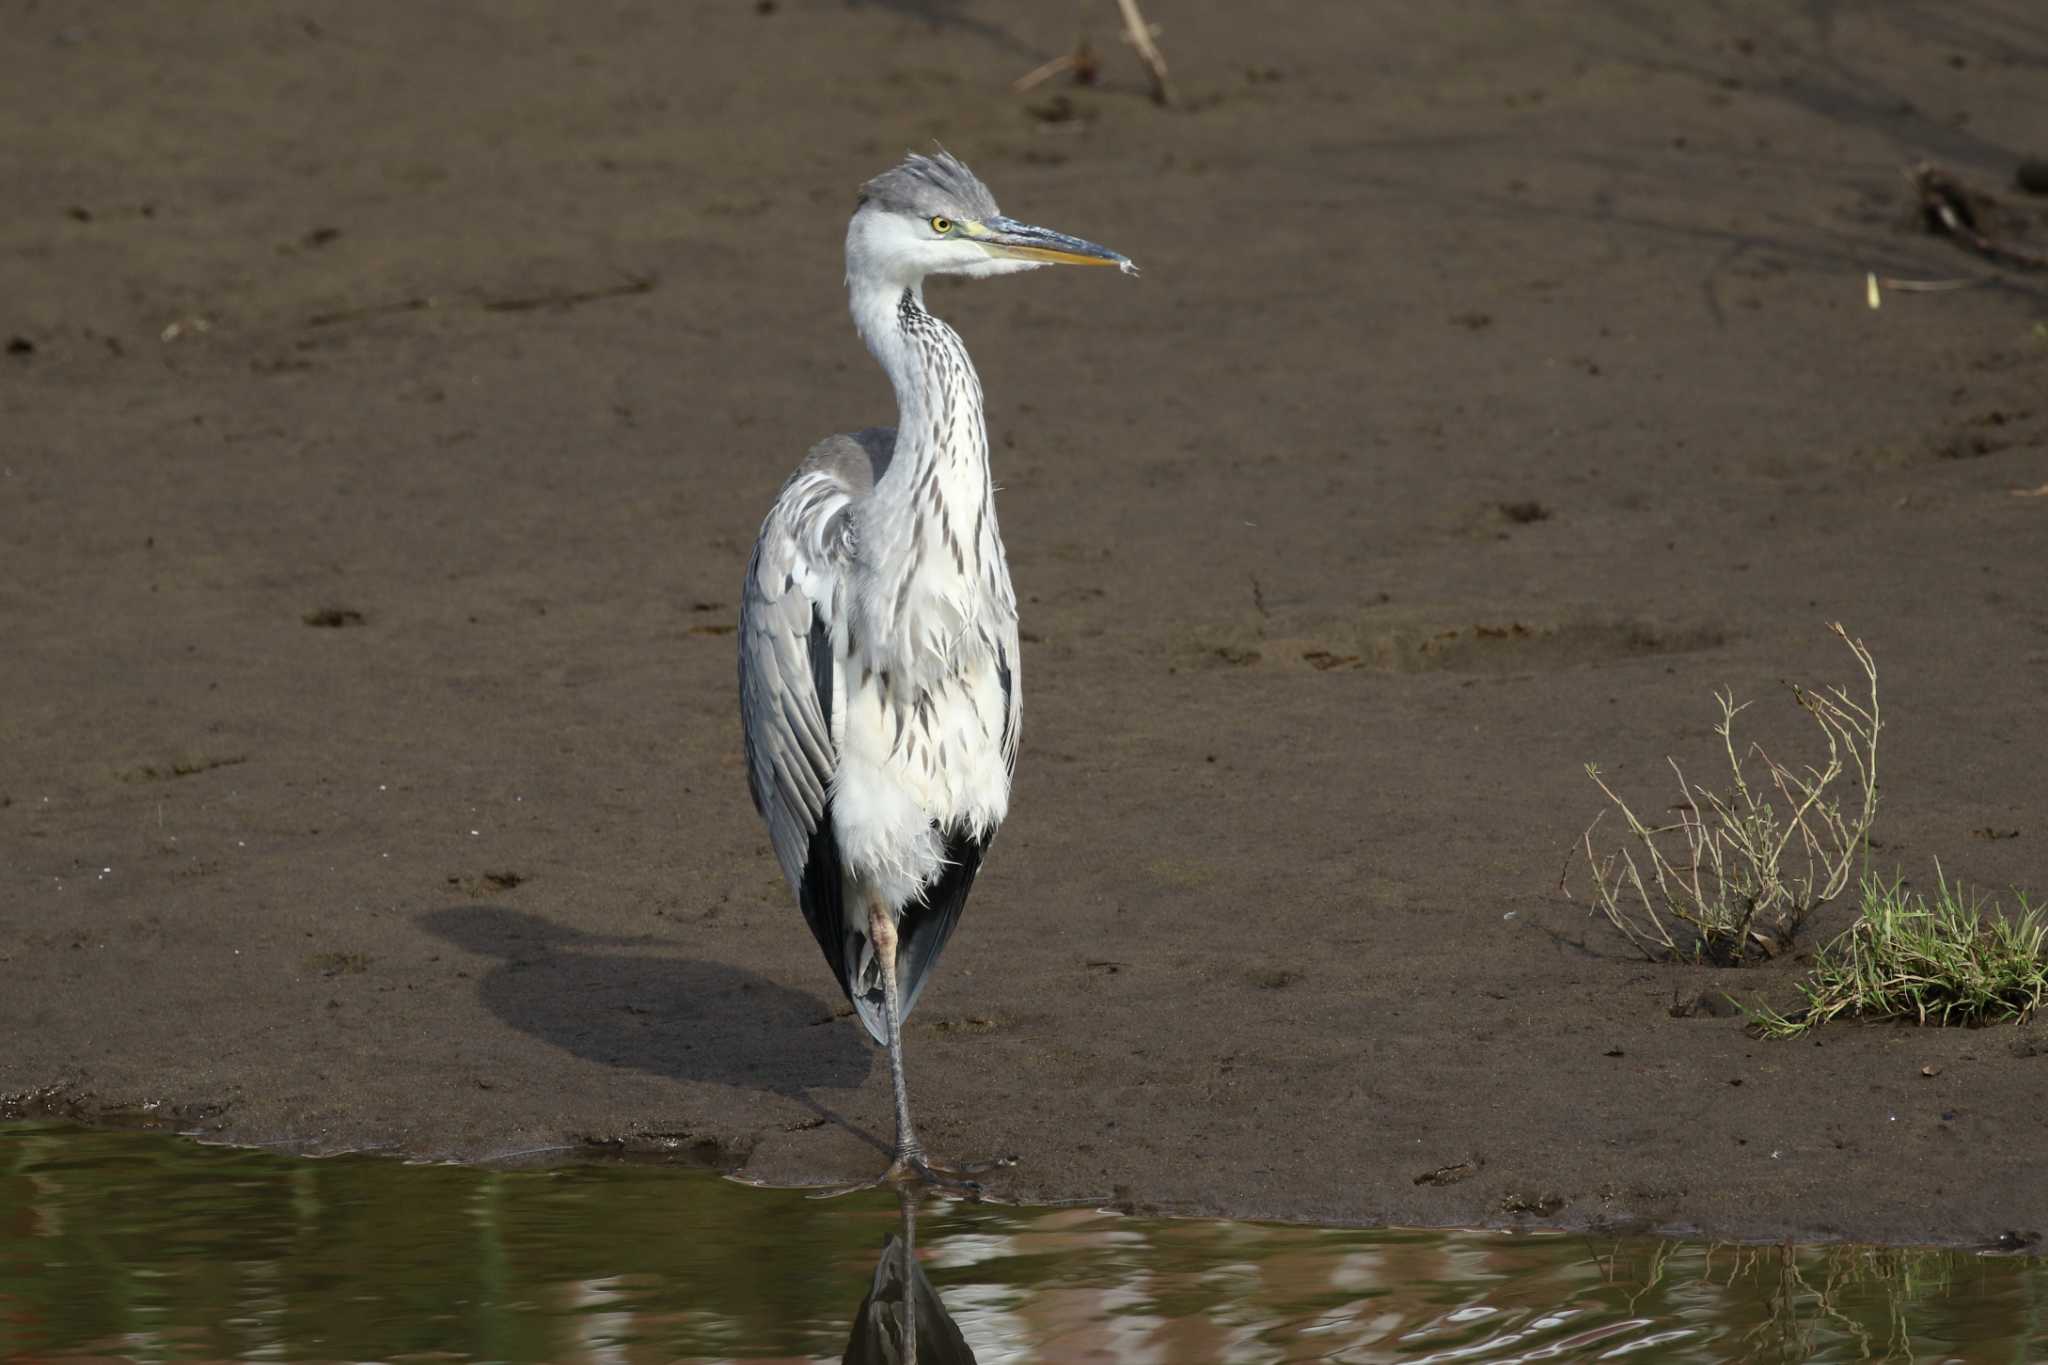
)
(127, 1246)
(902, 1321)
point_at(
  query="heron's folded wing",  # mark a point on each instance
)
(792, 625)
(787, 687)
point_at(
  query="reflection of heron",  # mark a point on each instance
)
(902, 1321)
(878, 629)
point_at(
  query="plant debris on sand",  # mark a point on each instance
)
(1734, 876)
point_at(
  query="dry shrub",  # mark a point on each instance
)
(1733, 877)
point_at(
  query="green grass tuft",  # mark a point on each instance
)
(1944, 961)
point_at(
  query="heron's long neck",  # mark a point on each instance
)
(930, 526)
(939, 425)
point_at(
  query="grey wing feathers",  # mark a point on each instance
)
(787, 717)
(790, 609)
(792, 632)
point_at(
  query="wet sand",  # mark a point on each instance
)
(391, 395)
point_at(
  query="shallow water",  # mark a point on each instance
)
(122, 1245)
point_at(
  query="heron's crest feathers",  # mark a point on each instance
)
(931, 186)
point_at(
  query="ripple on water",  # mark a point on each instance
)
(124, 1245)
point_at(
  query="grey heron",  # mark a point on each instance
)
(879, 679)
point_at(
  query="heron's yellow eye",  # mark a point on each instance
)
(942, 226)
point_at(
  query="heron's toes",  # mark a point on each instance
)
(945, 1178)
(892, 1176)
(959, 1179)
(905, 1170)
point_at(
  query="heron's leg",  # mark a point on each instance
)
(910, 1162)
(882, 933)
(910, 1158)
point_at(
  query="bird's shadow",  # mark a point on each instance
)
(622, 1001)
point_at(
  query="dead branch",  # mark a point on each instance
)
(1081, 61)
(1743, 865)
(1139, 34)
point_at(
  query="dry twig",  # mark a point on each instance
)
(1139, 34)
(1724, 882)
(1081, 61)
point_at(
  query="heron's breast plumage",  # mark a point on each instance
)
(928, 731)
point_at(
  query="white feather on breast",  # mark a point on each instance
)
(919, 755)
(927, 739)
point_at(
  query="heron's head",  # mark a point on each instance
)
(930, 216)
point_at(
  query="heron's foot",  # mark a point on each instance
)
(913, 1168)
(959, 1179)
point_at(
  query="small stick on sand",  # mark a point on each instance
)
(1039, 75)
(1874, 284)
(1081, 61)
(1139, 34)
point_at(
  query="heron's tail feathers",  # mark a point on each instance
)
(922, 929)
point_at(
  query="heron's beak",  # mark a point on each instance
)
(1008, 238)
